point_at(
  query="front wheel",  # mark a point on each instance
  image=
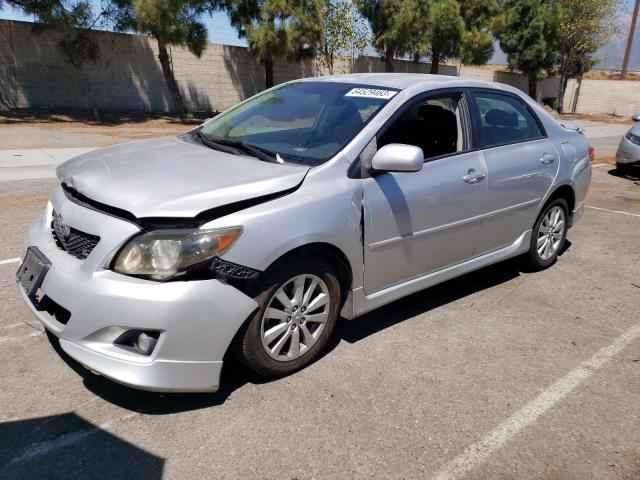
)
(298, 309)
(548, 236)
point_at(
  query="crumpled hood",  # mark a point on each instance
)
(170, 177)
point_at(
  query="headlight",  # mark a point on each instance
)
(162, 254)
(633, 138)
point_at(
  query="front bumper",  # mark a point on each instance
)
(196, 319)
(628, 153)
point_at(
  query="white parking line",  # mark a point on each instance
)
(10, 260)
(613, 211)
(595, 165)
(477, 453)
(21, 337)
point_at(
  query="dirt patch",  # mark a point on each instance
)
(23, 201)
(86, 117)
(608, 160)
(598, 117)
(611, 75)
(37, 129)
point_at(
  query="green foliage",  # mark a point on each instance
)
(527, 30)
(446, 31)
(276, 29)
(584, 27)
(398, 26)
(440, 28)
(477, 39)
(340, 31)
(172, 22)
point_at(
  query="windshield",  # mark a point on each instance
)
(305, 123)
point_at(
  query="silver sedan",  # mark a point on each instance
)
(628, 154)
(318, 198)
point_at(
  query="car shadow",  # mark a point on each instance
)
(68, 446)
(235, 375)
(632, 174)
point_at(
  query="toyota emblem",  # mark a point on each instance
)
(61, 229)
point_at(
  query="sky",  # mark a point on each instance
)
(220, 31)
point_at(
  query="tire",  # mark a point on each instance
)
(544, 254)
(261, 344)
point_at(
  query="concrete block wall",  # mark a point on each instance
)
(615, 97)
(128, 76)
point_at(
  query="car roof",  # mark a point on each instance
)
(406, 80)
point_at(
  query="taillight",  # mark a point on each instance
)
(592, 153)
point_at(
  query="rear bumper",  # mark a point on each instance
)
(196, 320)
(628, 153)
(577, 214)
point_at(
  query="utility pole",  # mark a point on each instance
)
(632, 31)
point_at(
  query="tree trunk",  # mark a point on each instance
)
(562, 88)
(533, 84)
(268, 73)
(388, 60)
(435, 62)
(172, 85)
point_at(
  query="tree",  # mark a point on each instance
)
(446, 30)
(170, 22)
(527, 31)
(585, 26)
(458, 29)
(72, 19)
(340, 31)
(276, 29)
(477, 39)
(398, 26)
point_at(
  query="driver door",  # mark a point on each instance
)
(420, 222)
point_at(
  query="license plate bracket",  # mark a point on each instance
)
(32, 271)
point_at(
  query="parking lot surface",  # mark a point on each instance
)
(498, 374)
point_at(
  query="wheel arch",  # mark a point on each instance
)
(328, 252)
(566, 192)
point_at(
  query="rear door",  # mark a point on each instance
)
(522, 163)
(420, 222)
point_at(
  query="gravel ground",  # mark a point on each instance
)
(481, 377)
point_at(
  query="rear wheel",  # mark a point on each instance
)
(548, 236)
(298, 309)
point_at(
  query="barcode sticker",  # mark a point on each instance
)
(371, 93)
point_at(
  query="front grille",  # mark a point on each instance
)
(73, 241)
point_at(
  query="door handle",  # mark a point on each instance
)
(474, 177)
(547, 159)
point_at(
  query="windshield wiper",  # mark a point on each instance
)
(233, 146)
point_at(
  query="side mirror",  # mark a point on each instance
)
(398, 157)
(636, 118)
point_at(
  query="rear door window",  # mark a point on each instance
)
(504, 119)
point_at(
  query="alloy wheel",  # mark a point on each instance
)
(295, 317)
(550, 233)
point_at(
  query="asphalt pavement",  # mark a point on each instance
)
(499, 374)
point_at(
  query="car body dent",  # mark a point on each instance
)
(135, 177)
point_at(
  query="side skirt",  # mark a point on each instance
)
(359, 303)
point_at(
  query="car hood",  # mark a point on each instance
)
(635, 129)
(171, 177)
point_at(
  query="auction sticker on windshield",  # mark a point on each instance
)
(371, 93)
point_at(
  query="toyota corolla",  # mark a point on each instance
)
(318, 198)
